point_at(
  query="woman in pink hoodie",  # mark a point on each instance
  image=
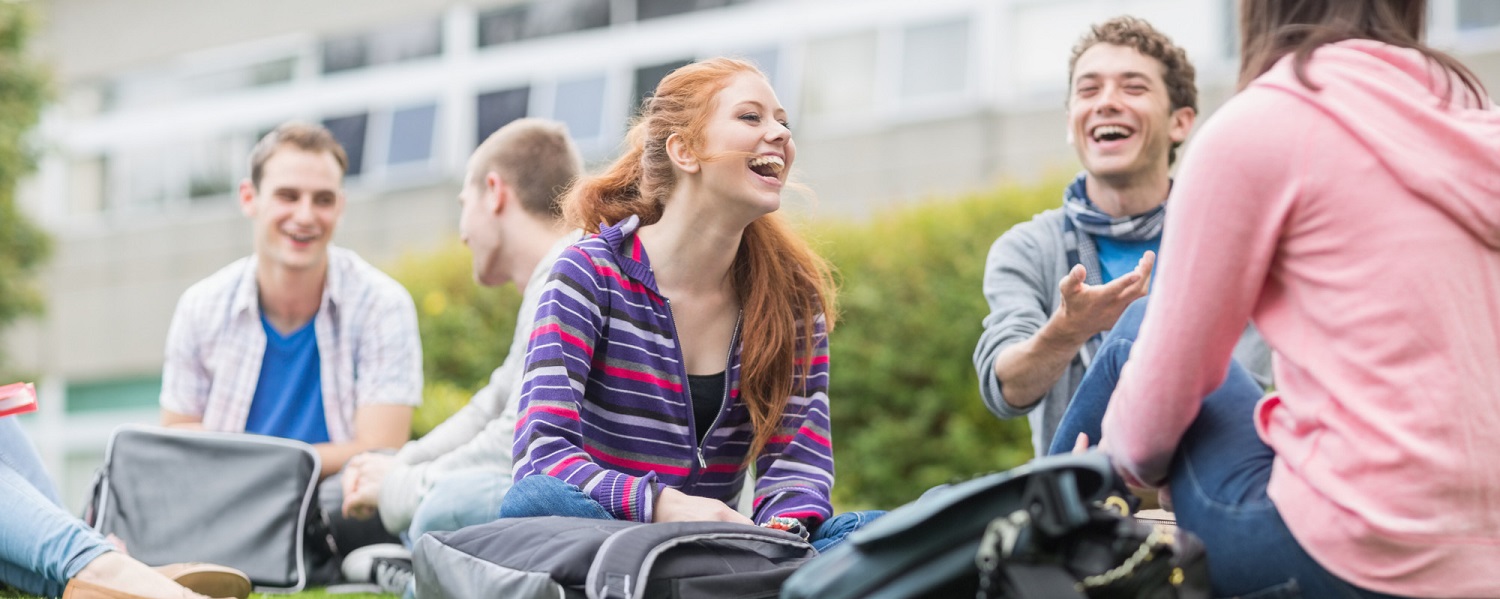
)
(1348, 200)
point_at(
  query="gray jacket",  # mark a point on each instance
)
(1020, 284)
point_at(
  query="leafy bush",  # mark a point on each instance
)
(906, 408)
(466, 329)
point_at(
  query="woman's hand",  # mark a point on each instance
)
(676, 506)
(1160, 498)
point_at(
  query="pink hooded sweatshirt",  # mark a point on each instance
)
(1359, 226)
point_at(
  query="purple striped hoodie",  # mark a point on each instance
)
(605, 405)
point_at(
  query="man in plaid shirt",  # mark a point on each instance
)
(300, 340)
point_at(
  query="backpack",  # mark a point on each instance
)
(244, 501)
(523, 558)
(1038, 528)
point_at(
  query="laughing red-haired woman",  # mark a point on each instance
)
(686, 342)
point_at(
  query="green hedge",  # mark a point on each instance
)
(466, 329)
(906, 407)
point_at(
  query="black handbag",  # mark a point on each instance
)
(927, 548)
(1058, 546)
(951, 543)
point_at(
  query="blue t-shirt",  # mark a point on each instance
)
(288, 399)
(1117, 257)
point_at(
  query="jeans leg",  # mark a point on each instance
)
(1218, 487)
(1085, 413)
(17, 452)
(832, 532)
(460, 499)
(542, 495)
(41, 546)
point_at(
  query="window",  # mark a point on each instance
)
(345, 53)
(408, 41)
(1478, 14)
(270, 72)
(646, 79)
(350, 131)
(655, 9)
(211, 168)
(411, 134)
(839, 77)
(498, 108)
(935, 59)
(511, 24)
(580, 104)
(396, 43)
(145, 173)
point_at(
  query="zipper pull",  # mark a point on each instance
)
(702, 463)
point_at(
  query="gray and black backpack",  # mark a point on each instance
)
(553, 557)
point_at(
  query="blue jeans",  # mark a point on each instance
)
(41, 545)
(1085, 413)
(541, 495)
(1218, 481)
(459, 499)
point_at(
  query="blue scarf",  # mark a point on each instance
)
(1084, 216)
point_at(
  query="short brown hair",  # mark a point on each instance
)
(1135, 33)
(303, 136)
(536, 158)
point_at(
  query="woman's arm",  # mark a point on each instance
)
(559, 359)
(1235, 189)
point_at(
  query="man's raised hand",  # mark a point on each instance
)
(1091, 309)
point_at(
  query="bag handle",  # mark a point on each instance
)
(618, 570)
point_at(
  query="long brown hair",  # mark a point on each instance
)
(784, 286)
(1272, 29)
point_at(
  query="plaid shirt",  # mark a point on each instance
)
(368, 345)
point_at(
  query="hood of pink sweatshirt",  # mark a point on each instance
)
(1445, 152)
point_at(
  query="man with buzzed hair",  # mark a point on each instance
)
(511, 220)
(301, 340)
(1057, 283)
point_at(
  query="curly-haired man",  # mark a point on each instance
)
(1056, 284)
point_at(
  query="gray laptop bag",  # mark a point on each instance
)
(233, 499)
(556, 557)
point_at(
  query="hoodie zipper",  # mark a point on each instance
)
(701, 462)
(724, 400)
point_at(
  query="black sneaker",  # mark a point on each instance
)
(392, 574)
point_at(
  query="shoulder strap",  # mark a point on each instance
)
(620, 568)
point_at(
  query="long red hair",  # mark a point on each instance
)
(784, 287)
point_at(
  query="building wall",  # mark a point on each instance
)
(160, 100)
